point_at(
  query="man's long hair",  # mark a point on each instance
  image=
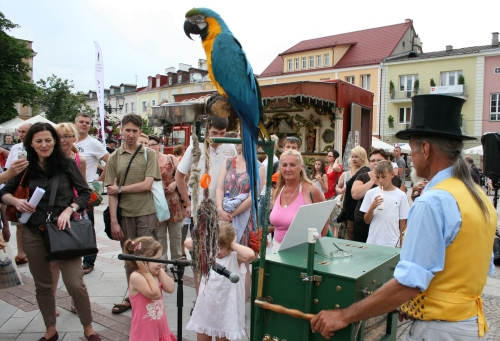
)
(451, 149)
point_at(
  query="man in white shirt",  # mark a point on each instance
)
(93, 151)
(13, 156)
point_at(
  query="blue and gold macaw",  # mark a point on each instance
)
(232, 75)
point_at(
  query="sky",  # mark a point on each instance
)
(142, 38)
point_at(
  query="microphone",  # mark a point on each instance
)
(232, 276)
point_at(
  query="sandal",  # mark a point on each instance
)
(21, 260)
(119, 308)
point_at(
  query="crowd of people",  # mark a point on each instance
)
(372, 207)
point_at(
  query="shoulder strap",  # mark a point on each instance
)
(130, 162)
(77, 159)
(53, 193)
(311, 194)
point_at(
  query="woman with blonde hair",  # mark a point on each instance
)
(68, 135)
(359, 164)
(293, 190)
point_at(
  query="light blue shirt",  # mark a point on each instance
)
(433, 223)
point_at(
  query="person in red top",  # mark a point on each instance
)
(333, 173)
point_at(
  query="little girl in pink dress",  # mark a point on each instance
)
(147, 281)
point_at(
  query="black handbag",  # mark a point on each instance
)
(77, 241)
(106, 215)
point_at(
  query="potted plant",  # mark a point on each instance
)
(461, 80)
(390, 120)
(416, 87)
(392, 89)
(432, 82)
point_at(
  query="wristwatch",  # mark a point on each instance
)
(119, 189)
(74, 208)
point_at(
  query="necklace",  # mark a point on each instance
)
(290, 198)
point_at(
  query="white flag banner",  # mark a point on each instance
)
(99, 84)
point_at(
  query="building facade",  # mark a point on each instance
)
(353, 57)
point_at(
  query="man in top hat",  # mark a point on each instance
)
(446, 254)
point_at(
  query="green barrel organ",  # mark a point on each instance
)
(344, 272)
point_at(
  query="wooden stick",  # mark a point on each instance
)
(282, 310)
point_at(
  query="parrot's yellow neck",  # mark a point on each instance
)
(213, 30)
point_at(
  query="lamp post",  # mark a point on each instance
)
(120, 100)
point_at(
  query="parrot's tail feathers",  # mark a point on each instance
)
(250, 154)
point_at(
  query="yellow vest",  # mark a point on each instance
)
(454, 294)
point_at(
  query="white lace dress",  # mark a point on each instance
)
(220, 306)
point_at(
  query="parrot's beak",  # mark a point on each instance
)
(190, 28)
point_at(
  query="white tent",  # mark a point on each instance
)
(405, 148)
(377, 143)
(478, 150)
(36, 119)
(8, 126)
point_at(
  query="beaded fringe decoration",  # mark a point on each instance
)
(206, 221)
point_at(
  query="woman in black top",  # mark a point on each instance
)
(46, 160)
(362, 184)
(359, 162)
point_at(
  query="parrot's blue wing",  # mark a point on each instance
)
(231, 69)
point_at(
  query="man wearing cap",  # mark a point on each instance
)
(435, 282)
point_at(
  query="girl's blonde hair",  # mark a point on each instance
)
(361, 153)
(70, 129)
(141, 247)
(226, 234)
(281, 181)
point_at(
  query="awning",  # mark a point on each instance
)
(316, 91)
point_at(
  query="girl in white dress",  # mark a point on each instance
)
(220, 306)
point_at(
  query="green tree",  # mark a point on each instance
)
(59, 102)
(16, 85)
(146, 127)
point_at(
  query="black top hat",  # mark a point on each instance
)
(436, 115)
(110, 141)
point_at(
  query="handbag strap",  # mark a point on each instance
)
(21, 183)
(52, 199)
(128, 167)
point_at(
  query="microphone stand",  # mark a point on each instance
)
(178, 273)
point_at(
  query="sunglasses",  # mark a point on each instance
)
(292, 138)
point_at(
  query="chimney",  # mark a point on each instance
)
(407, 21)
(494, 39)
(449, 48)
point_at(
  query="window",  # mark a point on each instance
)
(290, 66)
(132, 107)
(327, 59)
(122, 89)
(311, 62)
(144, 106)
(406, 83)
(157, 82)
(90, 95)
(365, 82)
(179, 79)
(450, 78)
(404, 115)
(350, 79)
(126, 107)
(497, 71)
(169, 80)
(495, 107)
(318, 61)
(296, 63)
(153, 102)
(304, 62)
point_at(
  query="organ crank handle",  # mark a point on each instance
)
(282, 310)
